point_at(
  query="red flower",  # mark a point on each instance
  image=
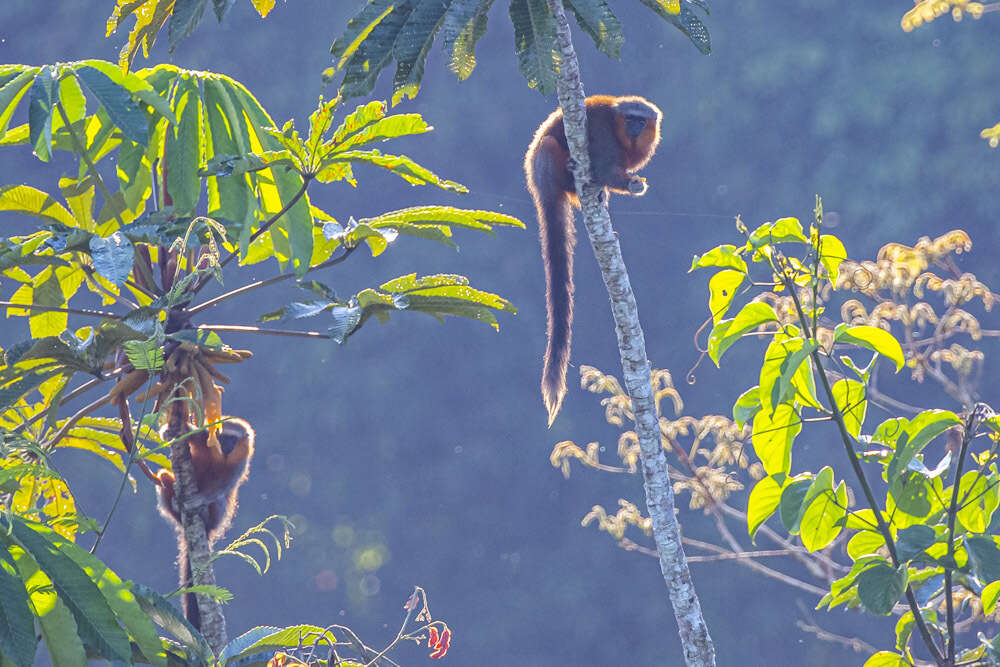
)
(441, 644)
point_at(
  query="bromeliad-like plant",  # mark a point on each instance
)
(917, 517)
(179, 173)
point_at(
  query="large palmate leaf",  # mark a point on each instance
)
(437, 295)
(404, 30)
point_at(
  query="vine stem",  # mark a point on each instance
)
(696, 643)
(239, 328)
(264, 283)
(859, 472)
(59, 309)
(306, 179)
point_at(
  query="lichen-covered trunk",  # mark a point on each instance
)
(695, 640)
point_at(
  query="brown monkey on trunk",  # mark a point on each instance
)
(219, 470)
(622, 133)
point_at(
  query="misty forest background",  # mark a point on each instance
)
(418, 453)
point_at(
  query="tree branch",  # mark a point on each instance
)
(695, 640)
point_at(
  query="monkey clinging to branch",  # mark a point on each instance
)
(622, 133)
(219, 470)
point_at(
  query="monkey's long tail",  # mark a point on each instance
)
(189, 603)
(555, 219)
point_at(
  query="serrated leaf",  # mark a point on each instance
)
(464, 24)
(534, 43)
(413, 44)
(183, 150)
(184, 18)
(117, 101)
(41, 107)
(17, 624)
(32, 201)
(94, 618)
(597, 20)
(11, 94)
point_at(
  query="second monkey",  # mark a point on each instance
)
(622, 133)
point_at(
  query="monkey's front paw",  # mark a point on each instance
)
(637, 186)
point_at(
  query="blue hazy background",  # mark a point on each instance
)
(418, 452)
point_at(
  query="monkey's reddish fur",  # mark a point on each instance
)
(218, 474)
(622, 133)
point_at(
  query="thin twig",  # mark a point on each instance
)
(58, 309)
(264, 283)
(259, 330)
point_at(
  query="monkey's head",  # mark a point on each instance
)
(236, 432)
(639, 126)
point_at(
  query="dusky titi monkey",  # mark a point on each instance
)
(218, 471)
(622, 133)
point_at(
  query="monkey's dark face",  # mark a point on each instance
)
(635, 124)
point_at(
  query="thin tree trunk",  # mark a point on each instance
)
(695, 640)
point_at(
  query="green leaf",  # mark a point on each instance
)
(183, 149)
(823, 511)
(911, 493)
(887, 659)
(378, 27)
(832, 254)
(984, 556)
(390, 127)
(773, 436)
(464, 24)
(169, 618)
(31, 201)
(746, 406)
(94, 618)
(723, 257)
(597, 20)
(880, 587)
(118, 102)
(270, 639)
(41, 107)
(722, 290)
(917, 434)
(113, 257)
(872, 338)
(990, 595)
(11, 94)
(913, 540)
(727, 332)
(402, 166)
(864, 543)
(979, 500)
(118, 594)
(17, 624)
(790, 506)
(534, 40)
(763, 501)
(185, 17)
(58, 628)
(411, 48)
(851, 399)
(686, 21)
(786, 373)
(785, 230)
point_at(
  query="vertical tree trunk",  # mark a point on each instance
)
(695, 640)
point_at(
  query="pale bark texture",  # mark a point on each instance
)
(695, 640)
